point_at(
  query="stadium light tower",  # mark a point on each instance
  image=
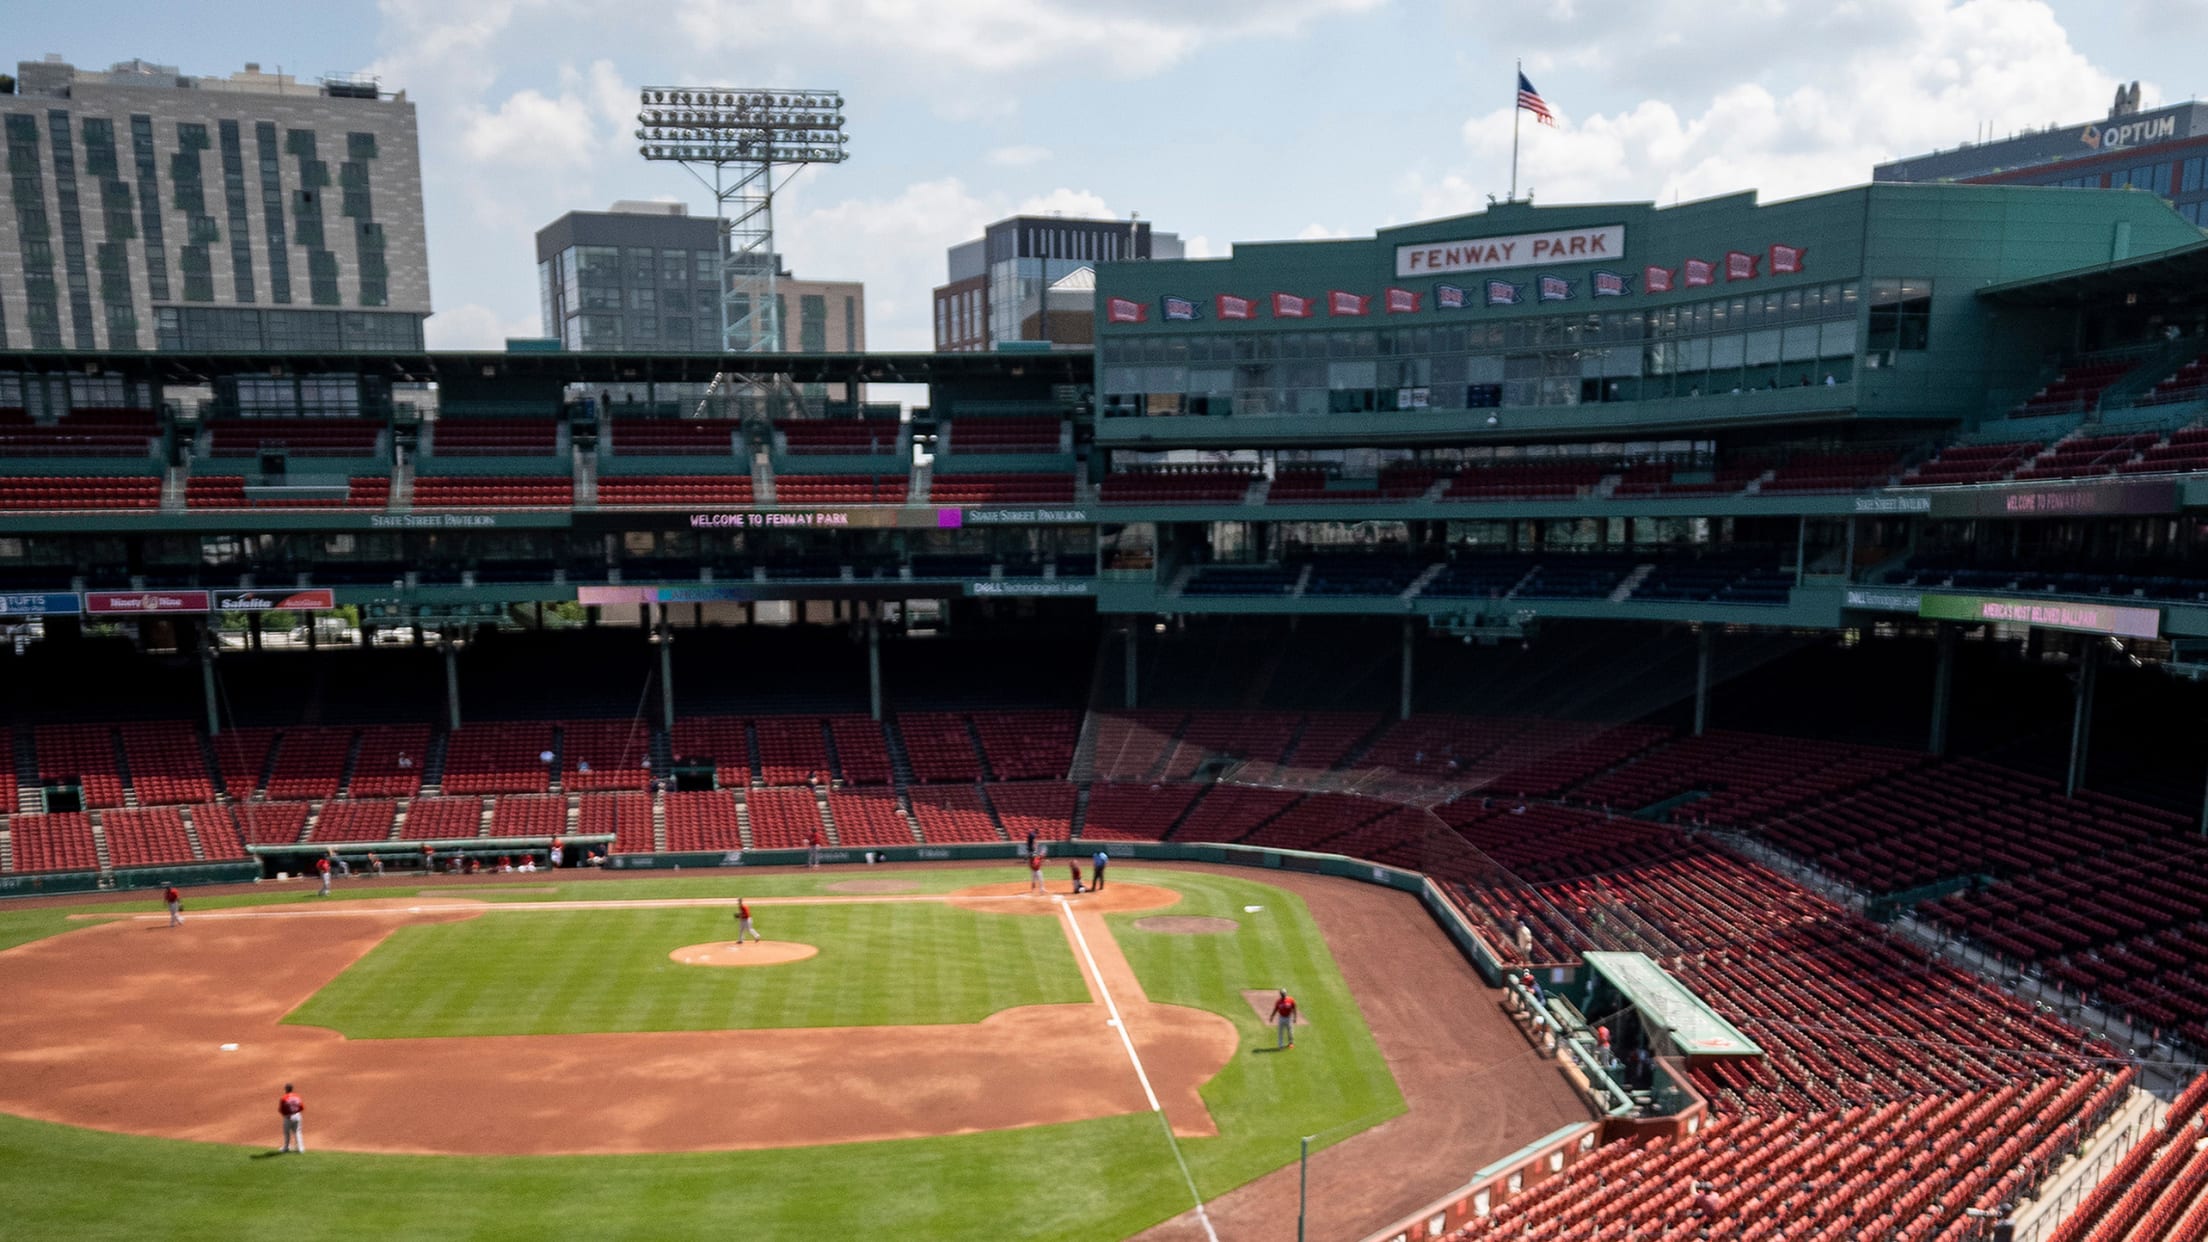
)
(743, 134)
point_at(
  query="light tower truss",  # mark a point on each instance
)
(737, 141)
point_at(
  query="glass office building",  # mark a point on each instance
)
(146, 209)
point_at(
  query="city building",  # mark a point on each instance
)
(2164, 152)
(147, 209)
(1033, 278)
(641, 277)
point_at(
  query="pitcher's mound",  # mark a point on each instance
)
(750, 953)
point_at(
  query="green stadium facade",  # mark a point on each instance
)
(1944, 401)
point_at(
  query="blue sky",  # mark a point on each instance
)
(1222, 120)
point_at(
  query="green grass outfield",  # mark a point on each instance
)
(1092, 1180)
(551, 972)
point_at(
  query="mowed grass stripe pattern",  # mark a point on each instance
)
(1091, 1181)
(596, 971)
(1334, 1083)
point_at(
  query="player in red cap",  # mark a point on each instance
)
(294, 1111)
(1284, 1021)
(175, 901)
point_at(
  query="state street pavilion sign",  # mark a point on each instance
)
(1605, 243)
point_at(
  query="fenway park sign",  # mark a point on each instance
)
(1491, 254)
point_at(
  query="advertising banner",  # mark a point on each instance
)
(143, 603)
(271, 601)
(2046, 614)
(40, 604)
(2059, 499)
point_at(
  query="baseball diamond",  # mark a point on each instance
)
(262, 975)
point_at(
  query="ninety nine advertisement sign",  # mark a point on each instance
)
(110, 603)
(40, 604)
(2048, 615)
(269, 601)
(1493, 254)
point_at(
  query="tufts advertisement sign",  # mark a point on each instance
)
(1604, 244)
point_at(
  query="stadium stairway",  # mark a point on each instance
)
(981, 753)
(191, 834)
(900, 759)
(29, 797)
(100, 851)
(743, 819)
(1080, 811)
(827, 816)
(433, 765)
(659, 821)
(122, 768)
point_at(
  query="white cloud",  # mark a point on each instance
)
(1131, 38)
(1319, 232)
(1829, 93)
(1199, 247)
(533, 129)
(591, 112)
(1065, 202)
(1018, 156)
(475, 327)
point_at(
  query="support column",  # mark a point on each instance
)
(253, 631)
(1703, 641)
(2081, 718)
(874, 661)
(666, 671)
(1133, 631)
(1403, 695)
(1943, 689)
(207, 677)
(452, 678)
(1847, 564)
(1801, 548)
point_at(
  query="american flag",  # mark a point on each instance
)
(1179, 308)
(1530, 100)
(1402, 301)
(1125, 310)
(1741, 265)
(1340, 303)
(1291, 306)
(1786, 260)
(1232, 307)
(1612, 285)
(1656, 279)
(1504, 293)
(1555, 289)
(1451, 297)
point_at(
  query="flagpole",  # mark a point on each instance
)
(1514, 111)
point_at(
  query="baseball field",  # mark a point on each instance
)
(930, 1051)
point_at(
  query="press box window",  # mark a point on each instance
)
(1901, 315)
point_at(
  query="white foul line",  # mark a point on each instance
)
(1127, 1041)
